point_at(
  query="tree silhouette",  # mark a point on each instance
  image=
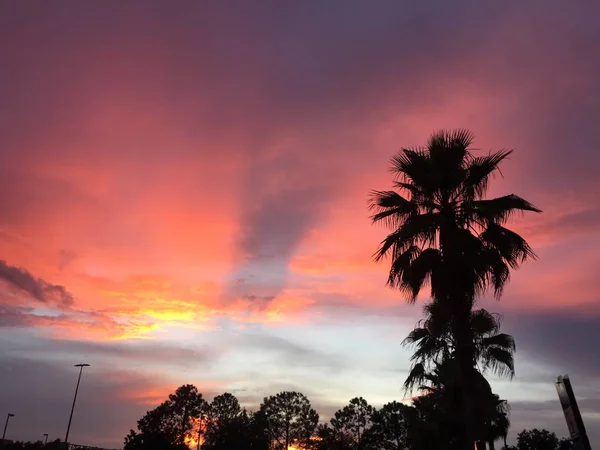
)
(350, 423)
(289, 419)
(389, 429)
(159, 428)
(170, 424)
(229, 427)
(224, 407)
(446, 235)
(429, 426)
(536, 439)
(433, 343)
(187, 405)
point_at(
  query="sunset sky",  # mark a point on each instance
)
(184, 197)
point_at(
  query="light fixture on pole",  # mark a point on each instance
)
(46, 440)
(81, 366)
(9, 415)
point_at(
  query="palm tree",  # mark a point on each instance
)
(494, 351)
(444, 233)
(434, 343)
(499, 422)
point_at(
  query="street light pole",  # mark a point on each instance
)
(81, 366)
(46, 441)
(9, 415)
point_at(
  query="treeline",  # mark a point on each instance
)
(285, 420)
(288, 421)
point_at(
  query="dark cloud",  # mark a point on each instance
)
(37, 288)
(37, 380)
(121, 352)
(549, 415)
(273, 226)
(41, 403)
(566, 340)
(13, 316)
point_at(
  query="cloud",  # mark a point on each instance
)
(105, 409)
(72, 323)
(549, 415)
(37, 288)
(66, 257)
(562, 226)
(121, 352)
(289, 352)
(563, 339)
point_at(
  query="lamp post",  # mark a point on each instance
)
(46, 440)
(9, 415)
(81, 366)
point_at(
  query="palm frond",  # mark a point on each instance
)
(501, 340)
(416, 229)
(500, 209)
(415, 336)
(449, 148)
(390, 208)
(479, 170)
(412, 165)
(416, 376)
(420, 271)
(484, 323)
(401, 264)
(498, 272)
(499, 361)
(511, 247)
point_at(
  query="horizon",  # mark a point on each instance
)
(185, 199)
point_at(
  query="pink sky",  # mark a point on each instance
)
(195, 179)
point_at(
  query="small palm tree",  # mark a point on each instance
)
(433, 343)
(445, 234)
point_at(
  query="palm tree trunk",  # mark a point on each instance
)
(464, 354)
(491, 444)
(459, 301)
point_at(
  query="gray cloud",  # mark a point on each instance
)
(131, 353)
(37, 288)
(549, 415)
(565, 340)
(290, 353)
(14, 316)
(41, 403)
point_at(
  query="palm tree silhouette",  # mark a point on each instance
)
(444, 233)
(433, 343)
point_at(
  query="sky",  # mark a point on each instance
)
(184, 198)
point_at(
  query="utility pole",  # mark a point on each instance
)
(6, 425)
(81, 366)
(573, 418)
